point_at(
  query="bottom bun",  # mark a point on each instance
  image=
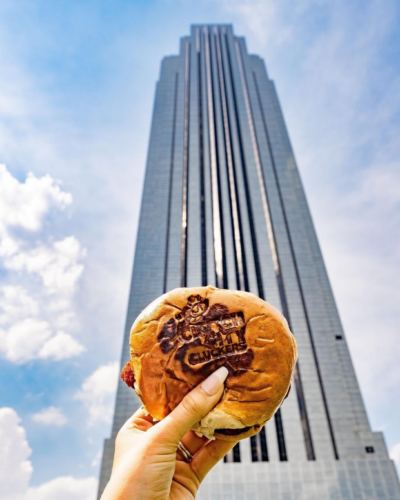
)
(234, 434)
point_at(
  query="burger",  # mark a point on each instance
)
(186, 334)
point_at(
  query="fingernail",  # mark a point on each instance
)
(211, 384)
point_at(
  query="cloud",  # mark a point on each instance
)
(32, 338)
(56, 264)
(65, 488)
(16, 303)
(50, 416)
(31, 326)
(97, 393)
(61, 346)
(25, 204)
(22, 341)
(16, 468)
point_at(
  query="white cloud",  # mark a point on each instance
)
(50, 416)
(25, 204)
(61, 346)
(15, 304)
(16, 468)
(57, 264)
(98, 391)
(62, 314)
(65, 488)
(32, 338)
(22, 341)
(8, 245)
(31, 326)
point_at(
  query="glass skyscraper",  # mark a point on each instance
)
(223, 204)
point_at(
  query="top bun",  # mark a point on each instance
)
(186, 334)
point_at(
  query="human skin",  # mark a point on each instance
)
(146, 463)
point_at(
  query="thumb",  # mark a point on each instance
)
(193, 407)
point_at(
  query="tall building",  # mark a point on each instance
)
(223, 204)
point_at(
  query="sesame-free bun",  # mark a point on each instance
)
(186, 334)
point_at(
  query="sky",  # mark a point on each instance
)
(76, 96)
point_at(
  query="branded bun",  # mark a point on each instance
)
(186, 334)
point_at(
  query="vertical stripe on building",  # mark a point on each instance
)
(185, 169)
(216, 208)
(235, 215)
(203, 234)
(170, 181)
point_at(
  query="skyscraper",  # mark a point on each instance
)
(223, 204)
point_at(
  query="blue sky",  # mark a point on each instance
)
(76, 98)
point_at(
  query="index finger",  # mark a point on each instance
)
(139, 420)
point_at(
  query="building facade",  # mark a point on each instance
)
(223, 204)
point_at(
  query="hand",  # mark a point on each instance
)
(147, 465)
